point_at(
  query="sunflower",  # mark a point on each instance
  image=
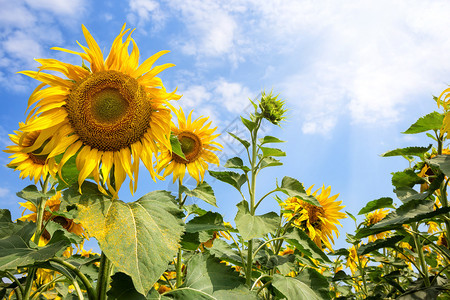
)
(30, 163)
(110, 116)
(319, 222)
(53, 205)
(373, 218)
(352, 260)
(196, 140)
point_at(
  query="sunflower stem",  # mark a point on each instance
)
(419, 252)
(252, 192)
(179, 254)
(103, 277)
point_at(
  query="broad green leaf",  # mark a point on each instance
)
(378, 244)
(293, 188)
(299, 239)
(272, 152)
(185, 293)
(138, 237)
(194, 209)
(122, 288)
(7, 227)
(190, 241)
(406, 193)
(223, 251)
(176, 146)
(442, 162)
(232, 178)
(340, 275)
(203, 191)
(416, 151)
(251, 227)
(236, 163)
(340, 251)
(432, 121)
(209, 221)
(207, 274)
(293, 289)
(406, 178)
(249, 124)
(270, 139)
(316, 281)
(31, 193)
(69, 174)
(377, 204)
(270, 261)
(242, 141)
(412, 211)
(15, 250)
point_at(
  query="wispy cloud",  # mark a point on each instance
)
(142, 12)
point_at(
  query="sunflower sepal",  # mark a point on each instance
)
(176, 146)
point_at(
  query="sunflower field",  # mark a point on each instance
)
(90, 127)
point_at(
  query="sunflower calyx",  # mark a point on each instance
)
(272, 109)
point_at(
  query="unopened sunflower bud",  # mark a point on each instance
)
(272, 108)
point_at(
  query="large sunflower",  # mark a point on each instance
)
(30, 163)
(111, 115)
(196, 141)
(319, 222)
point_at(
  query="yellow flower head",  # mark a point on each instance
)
(197, 144)
(352, 260)
(110, 116)
(30, 163)
(318, 222)
(375, 217)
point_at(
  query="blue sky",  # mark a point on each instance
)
(353, 74)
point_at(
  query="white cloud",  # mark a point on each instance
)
(232, 95)
(143, 11)
(57, 7)
(194, 96)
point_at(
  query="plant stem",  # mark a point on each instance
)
(103, 277)
(419, 252)
(362, 271)
(29, 283)
(252, 192)
(179, 254)
(87, 284)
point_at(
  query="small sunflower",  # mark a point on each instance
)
(30, 163)
(197, 144)
(53, 205)
(373, 218)
(352, 260)
(319, 222)
(110, 116)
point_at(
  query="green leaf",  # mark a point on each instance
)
(251, 227)
(242, 141)
(31, 193)
(339, 252)
(416, 151)
(442, 162)
(316, 281)
(249, 124)
(69, 174)
(223, 251)
(293, 289)
(377, 204)
(406, 193)
(232, 178)
(122, 288)
(194, 209)
(203, 191)
(206, 274)
(299, 239)
(7, 227)
(272, 152)
(406, 178)
(209, 221)
(176, 146)
(236, 163)
(293, 188)
(15, 250)
(378, 244)
(270, 139)
(269, 162)
(138, 237)
(412, 211)
(432, 121)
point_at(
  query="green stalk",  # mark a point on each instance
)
(103, 277)
(87, 284)
(252, 192)
(361, 270)
(179, 254)
(419, 252)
